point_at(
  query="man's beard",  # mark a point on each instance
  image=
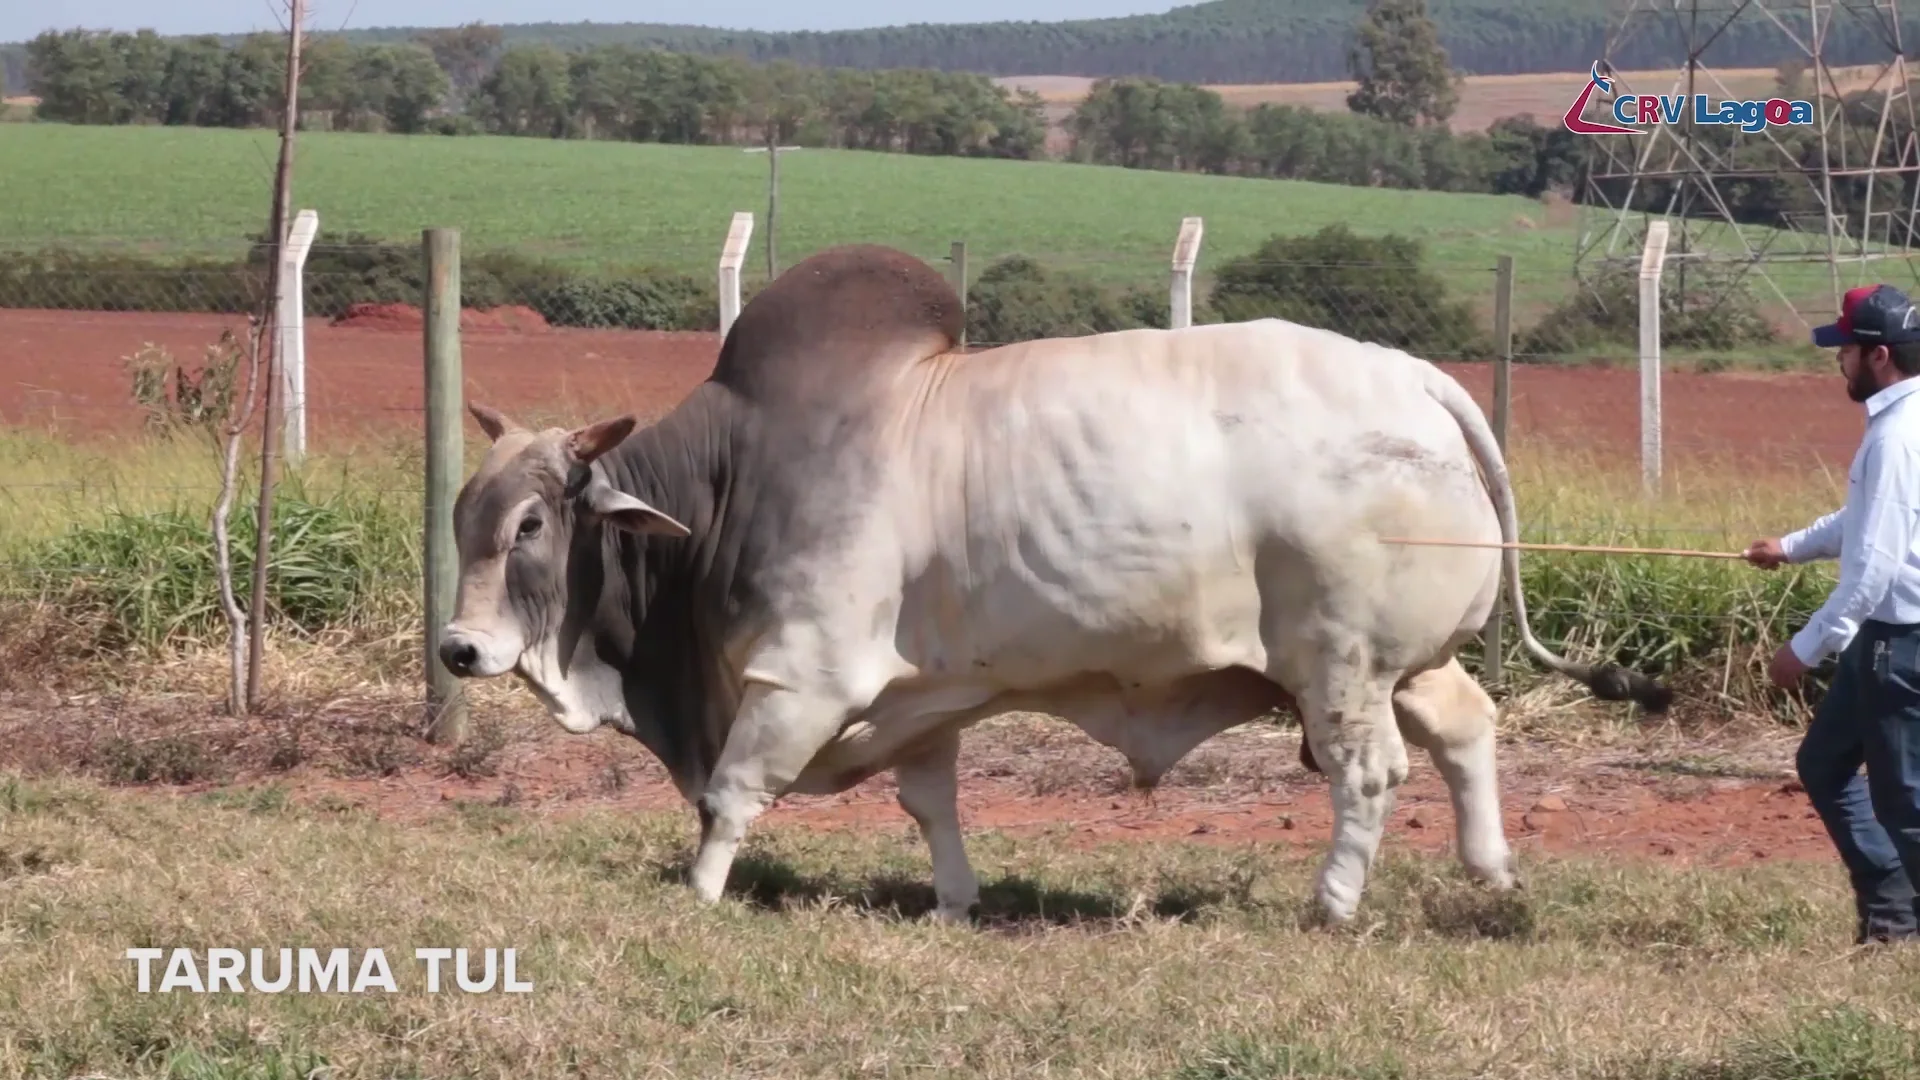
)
(1863, 385)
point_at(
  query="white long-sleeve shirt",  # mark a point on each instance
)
(1874, 535)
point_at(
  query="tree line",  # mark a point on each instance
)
(1230, 41)
(1149, 124)
(453, 83)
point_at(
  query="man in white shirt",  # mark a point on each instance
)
(1871, 713)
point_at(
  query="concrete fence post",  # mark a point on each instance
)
(733, 255)
(1186, 252)
(1652, 261)
(292, 320)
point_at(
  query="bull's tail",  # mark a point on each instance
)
(1609, 682)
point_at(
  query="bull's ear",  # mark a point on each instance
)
(492, 421)
(624, 511)
(588, 443)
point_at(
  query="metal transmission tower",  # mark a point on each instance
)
(1804, 209)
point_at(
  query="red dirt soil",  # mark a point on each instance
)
(405, 317)
(1553, 803)
(1707, 799)
(63, 370)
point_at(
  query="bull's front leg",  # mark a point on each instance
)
(776, 732)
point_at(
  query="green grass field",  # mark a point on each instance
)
(176, 191)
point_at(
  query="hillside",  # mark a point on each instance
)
(1222, 41)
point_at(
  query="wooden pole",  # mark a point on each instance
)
(276, 236)
(958, 254)
(1494, 643)
(446, 703)
(773, 191)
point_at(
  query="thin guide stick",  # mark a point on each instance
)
(446, 703)
(1595, 549)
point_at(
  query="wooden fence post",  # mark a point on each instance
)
(1494, 640)
(957, 255)
(446, 703)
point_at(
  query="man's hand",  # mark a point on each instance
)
(1766, 554)
(1786, 670)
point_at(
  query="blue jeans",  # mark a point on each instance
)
(1871, 716)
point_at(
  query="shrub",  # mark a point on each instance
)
(1704, 308)
(65, 280)
(674, 302)
(1017, 299)
(1370, 288)
(356, 269)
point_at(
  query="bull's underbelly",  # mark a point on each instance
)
(1152, 725)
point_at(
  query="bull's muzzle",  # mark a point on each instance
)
(459, 653)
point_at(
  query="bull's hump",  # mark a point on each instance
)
(838, 321)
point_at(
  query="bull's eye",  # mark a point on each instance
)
(529, 526)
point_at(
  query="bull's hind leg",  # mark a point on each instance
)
(930, 793)
(1446, 713)
(1347, 712)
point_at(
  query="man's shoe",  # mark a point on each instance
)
(1872, 932)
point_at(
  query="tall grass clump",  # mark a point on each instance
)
(145, 579)
(109, 547)
(1708, 623)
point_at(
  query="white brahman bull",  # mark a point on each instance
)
(852, 542)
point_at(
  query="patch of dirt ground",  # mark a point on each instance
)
(1676, 797)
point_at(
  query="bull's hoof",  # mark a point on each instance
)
(1335, 910)
(1500, 875)
(952, 914)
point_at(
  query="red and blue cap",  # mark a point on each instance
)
(1871, 315)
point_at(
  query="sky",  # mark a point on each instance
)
(22, 19)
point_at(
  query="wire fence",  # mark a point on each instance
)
(104, 351)
(81, 328)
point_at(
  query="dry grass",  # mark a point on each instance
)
(1483, 98)
(1124, 961)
